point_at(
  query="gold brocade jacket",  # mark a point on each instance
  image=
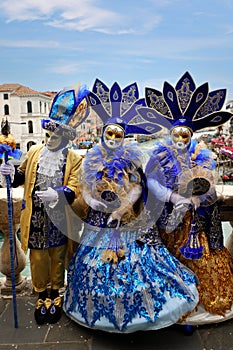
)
(29, 168)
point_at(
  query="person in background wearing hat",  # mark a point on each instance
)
(7, 139)
(49, 174)
(115, 283)
(180, 174)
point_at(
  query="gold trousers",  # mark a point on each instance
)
(48, 266)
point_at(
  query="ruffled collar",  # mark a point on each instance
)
(50, 162)
(112, 162)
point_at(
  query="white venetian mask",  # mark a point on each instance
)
(113, 136)
(181, 137)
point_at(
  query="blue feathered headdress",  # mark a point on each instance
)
(185, 105)
(120, 106)
(69, 109)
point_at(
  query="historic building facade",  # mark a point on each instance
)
(24, 108)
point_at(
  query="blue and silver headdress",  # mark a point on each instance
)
(195, 108)
(185, 105)
(69, 109)
(120, 106)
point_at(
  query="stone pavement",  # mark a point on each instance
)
(68, 335)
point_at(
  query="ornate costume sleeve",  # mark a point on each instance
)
(67, 193)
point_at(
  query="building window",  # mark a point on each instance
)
(40, 107)
(5, 96)
(30, 127)
(45, 108)
(6, 110)
(30, 144)
(29, 106)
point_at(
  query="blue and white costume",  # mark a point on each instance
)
(119, 280)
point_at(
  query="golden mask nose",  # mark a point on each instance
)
(111, 136)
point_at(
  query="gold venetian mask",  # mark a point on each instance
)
(113, 136)
(181, 137)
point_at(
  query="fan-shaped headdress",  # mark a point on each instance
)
(185, 105)
(194, 108)
(68, 110)
(120, 106)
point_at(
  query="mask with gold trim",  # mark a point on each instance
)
(181, 137)
(113, 136)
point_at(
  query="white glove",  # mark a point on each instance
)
(132, 197)
(160, 192)
(7, 169)
(92, 202)
(97, 205)
(181, 203)
(49, 195)
(115, 216)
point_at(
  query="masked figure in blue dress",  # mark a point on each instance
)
(115, 282)
(180, 172)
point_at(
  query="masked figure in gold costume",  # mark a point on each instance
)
(180, 174)
(49, 174)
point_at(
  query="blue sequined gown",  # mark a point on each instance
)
(147, 288)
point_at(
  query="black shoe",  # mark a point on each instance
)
(41, 312)
(55, 310)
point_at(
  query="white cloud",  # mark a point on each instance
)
(177, 48)
(83, 15)
(29, 44)
(65, 10)
(65, 68)
(72, 67)
(143, 51)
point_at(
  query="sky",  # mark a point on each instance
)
(51, 44)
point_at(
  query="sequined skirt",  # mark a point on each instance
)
(146, 289)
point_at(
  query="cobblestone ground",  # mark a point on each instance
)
(66, 334)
